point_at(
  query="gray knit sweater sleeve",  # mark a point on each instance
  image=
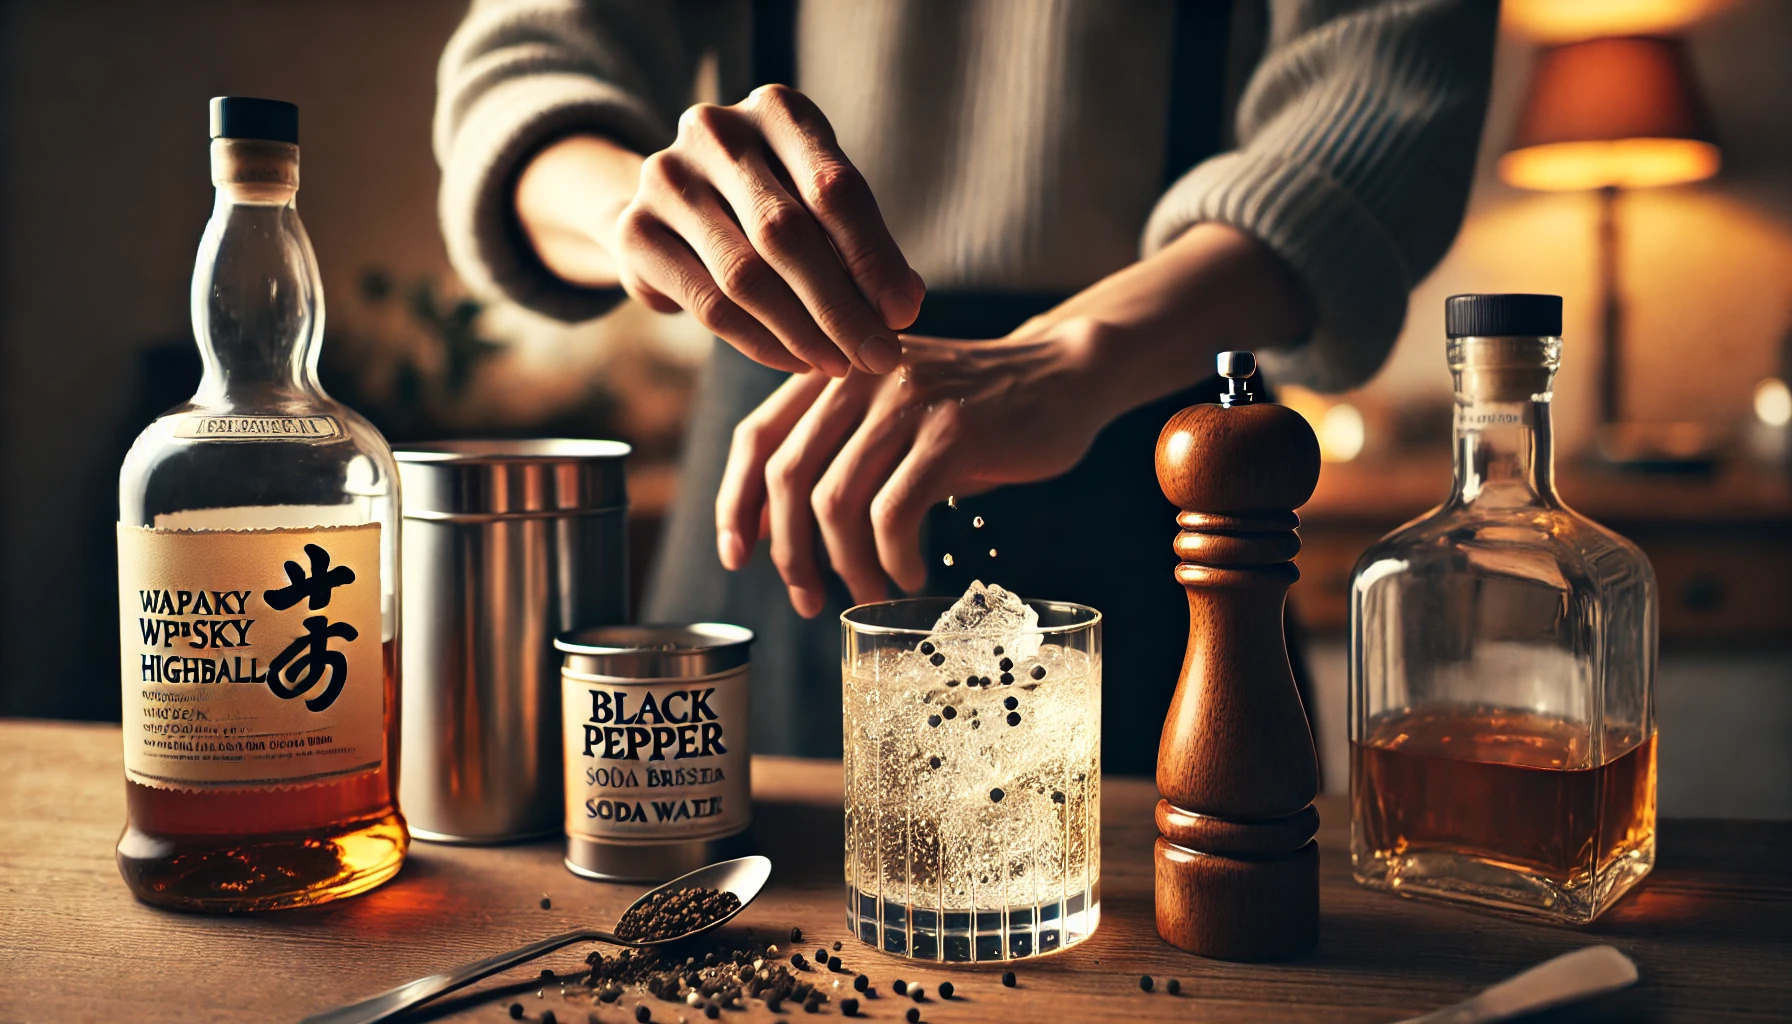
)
(519, 74)
(1357, 138)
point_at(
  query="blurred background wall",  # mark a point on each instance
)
(104, 193)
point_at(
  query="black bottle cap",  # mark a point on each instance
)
(245, 117)
(1492, 316)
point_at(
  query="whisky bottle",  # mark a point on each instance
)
(1502, 661)
(258, 581)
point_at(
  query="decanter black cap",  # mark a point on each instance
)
(245, 117)
(1492, 316)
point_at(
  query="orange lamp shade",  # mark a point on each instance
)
(1619, 111)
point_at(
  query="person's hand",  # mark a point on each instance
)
(753, 220)
(859, 459)
(862, 457)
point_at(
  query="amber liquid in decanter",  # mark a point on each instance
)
(1517, 792)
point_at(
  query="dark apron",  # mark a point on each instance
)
(1098, 535)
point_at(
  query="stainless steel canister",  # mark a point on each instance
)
(658, 769)
(507, 544)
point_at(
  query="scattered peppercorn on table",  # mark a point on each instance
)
(1710, 930)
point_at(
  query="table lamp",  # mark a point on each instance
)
(1605, 114)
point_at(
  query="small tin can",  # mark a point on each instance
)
(658, 770)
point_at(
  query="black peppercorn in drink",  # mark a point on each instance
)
(973, 775)
(258, 602)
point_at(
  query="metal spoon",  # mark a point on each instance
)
(1568, 978)
(743, 877)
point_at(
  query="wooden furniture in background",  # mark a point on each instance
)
(1709, 929)
(1237, 868)
(1721, 545)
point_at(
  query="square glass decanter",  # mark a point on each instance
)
(1502, 661)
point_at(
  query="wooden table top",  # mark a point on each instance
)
(1711, 930)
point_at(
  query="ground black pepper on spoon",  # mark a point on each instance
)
(734, 882)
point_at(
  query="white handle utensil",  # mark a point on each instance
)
(1568, 978)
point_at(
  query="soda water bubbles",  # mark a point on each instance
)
(973, 784)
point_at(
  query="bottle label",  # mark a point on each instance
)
(661, 759)
(241, 428)
(250, 658)
(1478, 415)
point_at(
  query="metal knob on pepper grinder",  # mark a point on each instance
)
(507, 544)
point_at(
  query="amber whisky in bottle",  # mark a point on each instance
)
(1502, 661)
(258, 581)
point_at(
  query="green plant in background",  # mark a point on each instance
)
(454, 326)
(428, 394)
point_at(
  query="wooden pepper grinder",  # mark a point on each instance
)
(1237, 867)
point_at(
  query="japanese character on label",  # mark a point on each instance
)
(310, 656)
(308, 660)
(317, 586)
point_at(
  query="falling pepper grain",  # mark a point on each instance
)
(849, 1007)
(1144, 982)
(547, 1017)
(1173, 986)
(913, 1016)
(516, 1011)
(643, 1014)
(945, 990)
(547, 904)
(899, 987)
(861, 983)
(796, 935)
(1007, 979)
